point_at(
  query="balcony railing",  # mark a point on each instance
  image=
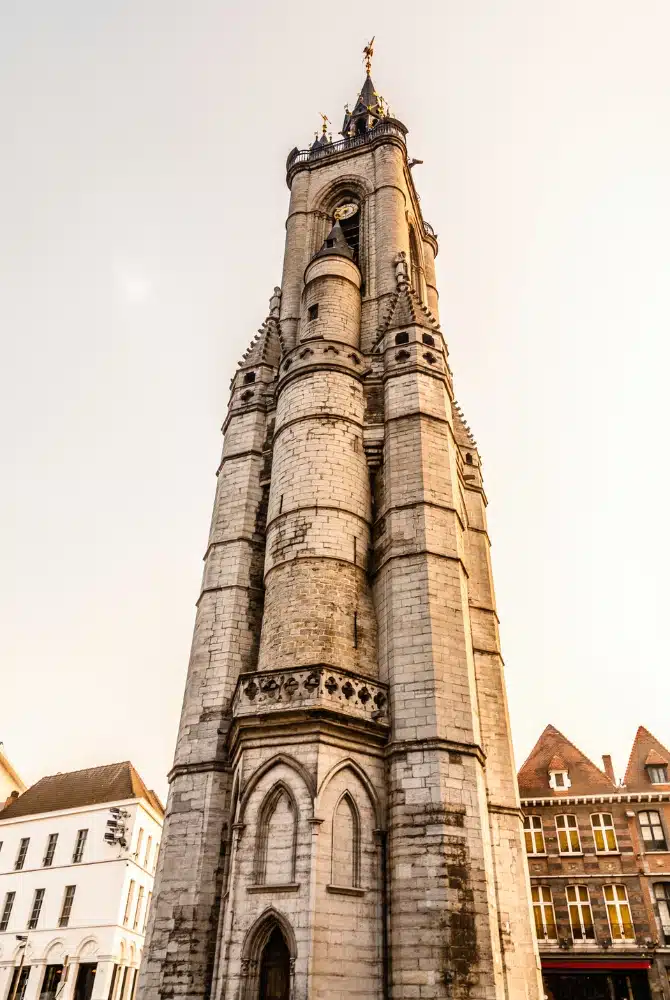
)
(429, 231)
(311, 155)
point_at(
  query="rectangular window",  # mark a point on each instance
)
(129, 901)
(52, 978)
(112, 985)
(658, 775)
(138, 849)
(146, 914)
(153, 867)
(662, 895)
(568, 835)
(313, 312)
(7, 910)
(66, 910)
(603, 833)
(618, 912)
(138, 908)
(579, 908)
(543, 911)
(147, 854)
(38, 899)
(50, 851)
(21, 856)
(79, 846)
(532, 828)
(652, 831)
(19, 982)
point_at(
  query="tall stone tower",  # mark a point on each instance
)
(343, 818)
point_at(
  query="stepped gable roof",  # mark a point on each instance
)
(407, 309)
(645, 746)
(552, 746)
(265, 348)
(462, 431)
(90, 787)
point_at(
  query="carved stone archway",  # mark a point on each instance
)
(261, 952)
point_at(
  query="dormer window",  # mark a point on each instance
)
(658, 774)
(559, 780)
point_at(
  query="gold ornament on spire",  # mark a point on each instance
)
(368, 52)
(326, 122)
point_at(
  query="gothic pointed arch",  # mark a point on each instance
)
(345, 855)
(280, 758)
(261, 935)
(350, 764)
(276, 836)
(415, 264)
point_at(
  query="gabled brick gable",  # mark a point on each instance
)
(646, 749)
(553, 746)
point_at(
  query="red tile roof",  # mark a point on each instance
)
(553, 747)
(92, 786)
(644, 745)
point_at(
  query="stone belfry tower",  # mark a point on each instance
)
(343, 817)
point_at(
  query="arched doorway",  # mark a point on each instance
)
(275, 970)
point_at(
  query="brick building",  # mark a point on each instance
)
(599, 862)
(343, 816)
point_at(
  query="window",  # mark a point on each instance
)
(579, 908)
(618, 912)
(112, 985)
(146, 914)
(249, 378)
(66, 910)
(330, 244)
(559, 780)
(138, 908)
(17, 989)
(652, 831)
(38, 899)
(50, 851)
(153, 867)
(532, 827)
(603, 833)
(7, 910)
(52, 978)
(346, 840)
(138, 849)
(79, 846)
(401, 338)
(313, 312)
(468, 458)
(21, 856)
(148, 853)
(415, 264)
(427, 339)
(658, 775)
(662, 895)
(276, 840)
(568, 835)
(129, 901)
(543, 911)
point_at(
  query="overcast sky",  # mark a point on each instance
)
(142, 207)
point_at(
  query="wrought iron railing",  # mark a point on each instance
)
(428, 230)
(310, 155)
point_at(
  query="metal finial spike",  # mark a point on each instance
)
(326, 122)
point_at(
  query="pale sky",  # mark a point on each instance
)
(142, 208)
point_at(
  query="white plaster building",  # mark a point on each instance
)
(11, 783)
(73, 906)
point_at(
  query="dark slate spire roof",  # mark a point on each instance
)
(335, 244)
(366, 105)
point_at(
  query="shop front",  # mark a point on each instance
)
(598, 979)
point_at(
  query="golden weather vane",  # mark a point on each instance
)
(326, 122)
(368, 52)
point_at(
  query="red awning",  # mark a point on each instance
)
(597, 965)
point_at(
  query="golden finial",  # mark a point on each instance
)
(382, 106)
(368, 52)
(326, 122)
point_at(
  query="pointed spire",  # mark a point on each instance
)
(335, 244)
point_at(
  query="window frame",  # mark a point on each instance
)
(138, 907)
(540, 906)
(66, 906)
(129, 902)
(652, 774)
(567, 830)
(665, 899)
(79, 846)
(140, 842)
(604, 829)
(653, 841)
(580, 905)
(48, 858)
(36, 909)
(531, 833)
(21, 854)
(147, 853)
(146, 912)
(564, 784)
(618, 904)
(7, 907)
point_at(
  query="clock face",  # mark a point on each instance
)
(345, 211)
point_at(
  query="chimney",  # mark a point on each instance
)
(607, 766)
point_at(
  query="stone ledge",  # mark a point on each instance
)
(345, 890)
(281, 887)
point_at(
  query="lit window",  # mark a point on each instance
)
(68, 900)
(7, 910)
(38, 899)
(78, 853)
(532, 828)
(129, 901)
(618, 912)
(21, 856)
(50, 851)
(568, 835)
(581, 918)
(662, 894)
(603, 833)
(658, 775)
(543, 911)
(652, 831)
(138, 908)
(559, 779)
(148, 853)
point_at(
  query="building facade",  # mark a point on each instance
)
(343, 816)
(77, 858)
(599, 861)
(11, 783)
